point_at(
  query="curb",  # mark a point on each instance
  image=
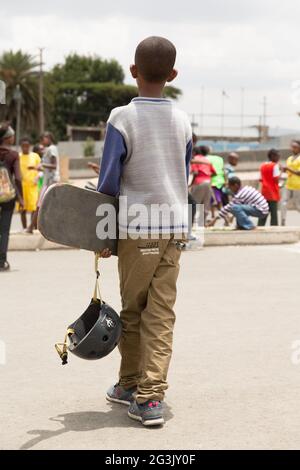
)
(211, 237)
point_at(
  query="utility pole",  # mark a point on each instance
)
(18, 99)
(41, 93)
(242, 112)
(264, 111)
(201, 130)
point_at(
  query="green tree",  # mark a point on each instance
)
(88, 69)
(86, 89)
(19, 68)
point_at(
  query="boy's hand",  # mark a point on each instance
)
(106, 253)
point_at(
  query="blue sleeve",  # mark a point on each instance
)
(114, 154)
(188, 157)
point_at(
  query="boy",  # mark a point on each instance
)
(247, 202)
(292, 187)
(230, 166)
(146, 158)
(229, 171)
(269, 177)
(217, 181)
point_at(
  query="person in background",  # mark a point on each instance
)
(292, 187)
(229, 171)
(192, 203)
(230, 166)
(29, 162)
(218, 180)
(50, 167)
(11, 164)
(39, 149)
(202, 171)
(246, 202)
(269, 178)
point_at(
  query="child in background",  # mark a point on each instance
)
(202, 172)
(269, 177)
(230, 166)
(218, 180)
(29, 161)
(292, 186)
(39, 149)
(246, 202)
(229, 171)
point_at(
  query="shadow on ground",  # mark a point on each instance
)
(87, 421)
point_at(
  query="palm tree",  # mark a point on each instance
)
(19, 68)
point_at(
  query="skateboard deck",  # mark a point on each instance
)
(70, 216)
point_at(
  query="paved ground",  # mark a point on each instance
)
(233, 384)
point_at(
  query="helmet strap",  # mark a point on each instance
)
(97, 294)
(62, 348)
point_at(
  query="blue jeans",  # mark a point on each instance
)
(242, 213)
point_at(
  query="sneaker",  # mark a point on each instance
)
(4, 266)
(149, 413)
(119, 394)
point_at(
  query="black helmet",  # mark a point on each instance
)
(94, 335)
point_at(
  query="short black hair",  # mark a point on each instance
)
(272, 152)
(234, 180)
(155, 58)
(49, 135)
(25, 139)
(296, 142)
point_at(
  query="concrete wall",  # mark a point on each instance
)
(76, 149)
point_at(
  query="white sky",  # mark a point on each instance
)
(222, 44)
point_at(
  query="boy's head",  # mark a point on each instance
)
(47, 139)
(295, 146)
(25, 145)
(234, 184)
(202, 150)
(273, 155)
(233, 159)
(154, 61)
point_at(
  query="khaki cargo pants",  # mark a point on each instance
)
(148, 272)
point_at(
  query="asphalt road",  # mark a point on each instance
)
(232, 381)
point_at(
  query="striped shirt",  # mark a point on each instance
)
(247, 196)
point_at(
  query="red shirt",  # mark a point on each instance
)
(270, 172)
(203, 170)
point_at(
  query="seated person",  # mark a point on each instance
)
(246, 202)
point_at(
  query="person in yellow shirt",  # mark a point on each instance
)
(29, 162)
(292, 187)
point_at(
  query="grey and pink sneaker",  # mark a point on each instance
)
(119, 394)
(149, 413)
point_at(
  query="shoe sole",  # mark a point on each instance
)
(116, 400)
(149, 422)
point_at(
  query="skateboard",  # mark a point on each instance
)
(75, 217)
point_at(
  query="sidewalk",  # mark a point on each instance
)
(233, 384)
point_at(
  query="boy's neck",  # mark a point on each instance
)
(151, 90)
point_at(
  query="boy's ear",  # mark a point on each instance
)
(172, 76)
(133, 71)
